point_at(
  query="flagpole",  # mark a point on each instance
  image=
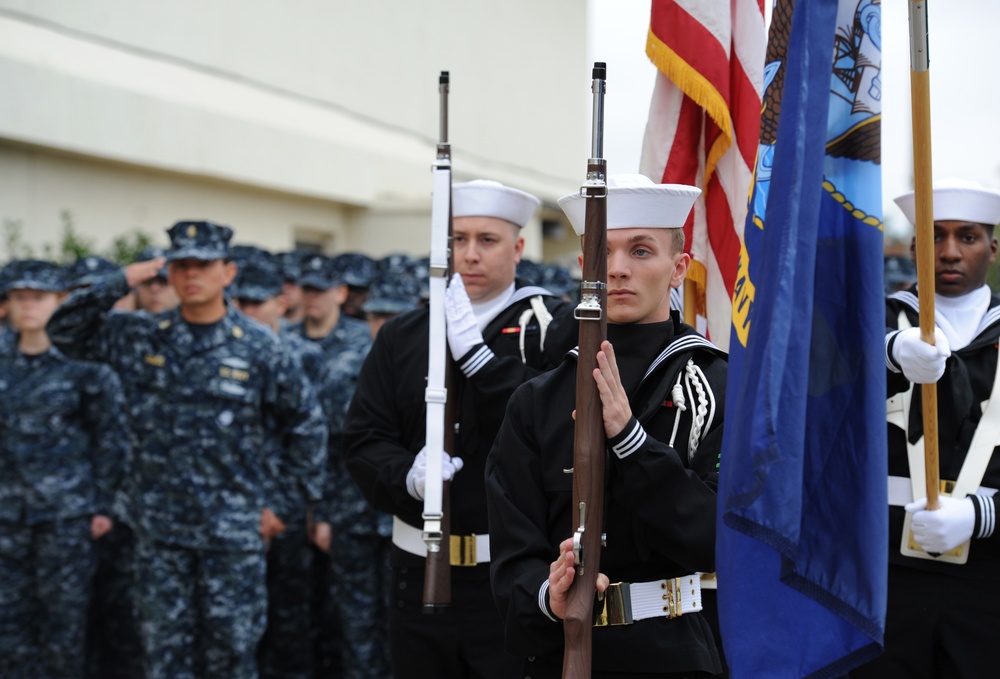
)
(920, 95)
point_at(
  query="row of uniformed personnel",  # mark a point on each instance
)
(65, 457)
(662, 391)
(207, 391)
(216, 425)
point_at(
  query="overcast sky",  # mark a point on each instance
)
(965, 90)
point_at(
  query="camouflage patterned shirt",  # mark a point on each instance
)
(344, 351)
(63, 436)
(201, 406)
(293, 483)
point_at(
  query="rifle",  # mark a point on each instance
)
(589, 438)
(440, 411)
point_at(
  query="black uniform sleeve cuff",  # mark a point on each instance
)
(629, 440)
(890, 362)
(475, 359)
(985, 516)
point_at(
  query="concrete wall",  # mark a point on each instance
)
(288, 120)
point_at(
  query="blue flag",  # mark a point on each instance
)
(802, 546)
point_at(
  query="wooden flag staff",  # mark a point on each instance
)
(924, 228)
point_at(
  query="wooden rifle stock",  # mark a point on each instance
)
(440, 378)
(437, 570)
(589, 437)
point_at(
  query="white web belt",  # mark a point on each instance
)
(626, 602)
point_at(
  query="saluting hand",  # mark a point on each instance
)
(99, 526)
(143, 271)
(561, 574)
(460, 319)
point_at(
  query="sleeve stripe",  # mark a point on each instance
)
(986, 515)
(542, 596)
(889, 363)
(630, 443)
(475, 363)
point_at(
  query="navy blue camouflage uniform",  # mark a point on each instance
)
(63, 439)
(114, 650)
(354, 599)
(286, 650)
(198, 401)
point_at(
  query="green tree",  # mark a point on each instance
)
(13, 240)
(125, 248)
(72, 245)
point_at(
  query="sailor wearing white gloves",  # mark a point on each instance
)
(501, 332)
(944, 565)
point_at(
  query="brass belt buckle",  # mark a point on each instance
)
(672, 596)
(463, 550)
(613, 606)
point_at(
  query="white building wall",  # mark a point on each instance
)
(288, 120)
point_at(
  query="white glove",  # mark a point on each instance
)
(943, 529)
(416, 478)
(919, 361)
(463, 329)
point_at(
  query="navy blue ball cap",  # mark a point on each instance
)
(393, 292)
(899, 271)
(35, 274)
(420, 269)
(198, 240)
(89, 269)
(355, 269)
(530, 272)
(5, 272)
(291, 265)
(241, 254)
(558, 280)
(257, 279)
(393, 262)
(150, 252)
(319, 272)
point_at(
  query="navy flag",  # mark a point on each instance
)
(803, 535)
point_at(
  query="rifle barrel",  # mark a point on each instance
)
(589, 437)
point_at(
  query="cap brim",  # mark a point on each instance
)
(204, 254)
(88, 280)
(29, 284)
(254, 293)
(317, 282)
(658, 206)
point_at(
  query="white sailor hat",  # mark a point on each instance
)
(634, 201)
(957, 199)
(486, 198)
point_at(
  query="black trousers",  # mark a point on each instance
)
(463, 642)
(938, 626)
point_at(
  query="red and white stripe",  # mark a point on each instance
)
(703, 129)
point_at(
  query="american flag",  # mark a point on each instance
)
(703, 127)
